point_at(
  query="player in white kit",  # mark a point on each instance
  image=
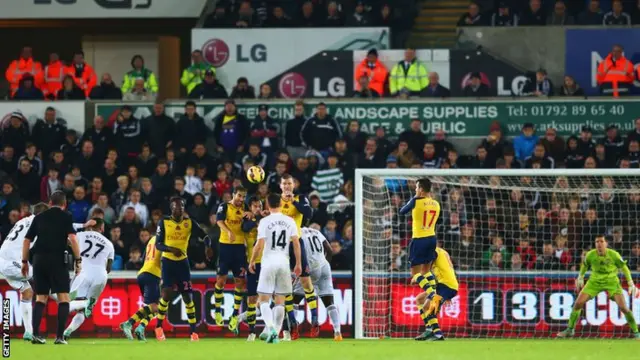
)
(318, 255)
(275, 233)
(97, 254)
(11, 263)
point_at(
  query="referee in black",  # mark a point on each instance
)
(54, 231)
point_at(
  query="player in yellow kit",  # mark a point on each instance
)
(149, 282)
(298, 208)
(438, 291)
(172, 238)
(232, 255)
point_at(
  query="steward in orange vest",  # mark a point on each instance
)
(53, 75)
(82, 73)
(615, 73)
(24, 65)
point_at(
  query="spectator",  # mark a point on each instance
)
(107, 90)
(263, 130)
(385, 146)
(293, 132)
(339, 261)
(541, 87)
(219, 18)
(616, 17)
(25, 64)
(222, 184)
(375, 72)
(119, 197)
(495, 143)
(48, 134)
(27, 89)
(193, 184)
(134, 177)
(481, 160)
(160, 130)
(592, 15)
(635, 14)
(100, 136)
(70, 90)
(534, 15)
(430, 159)
(570, 87)
(139, 71)
(138, 92)
(475, 87)
(28, 182)
(359, 17)
(559, 15)
(254, 155)
(403, 155)
(230, 131)
(526, 252)
(327, 182)
(179, 190)
(96, 189)
(321, 130)
(365, 91)
(409, 77)
(209, 89)
(194, 74)
(473, 17)
(435, 89)
(16, 134)
(199, 211)
(149, 196)
(334, 17)
(79, 207)
(384, 17)
(88, 162)
(548, 260)
(370, 158)
(496, 261)
(135, 259)
(554, 145)
(190, 129)
(50, 184)
(115, 235)
(135, 203)
(398, 257)
(130, 227)
(146, 161)
(615, 69)
(31, 155)
(414, 137)
(525, 143)
(465, 251)
(497, 245)
(128, 135)
(82, 74)
(201, 159)
(243, 90)
(278, 19)
(265, 92)
(539, 155)
(246, 17)
(161, 180)
(8, 162)
(355, 138)
(633, 134)
(613, 145)
(586, 144)
(634, 258)
(441, 144)
(303, 174)
(504, 16)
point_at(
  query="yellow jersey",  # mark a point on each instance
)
(151, 259)
(443, 271)
(250, 228)
(289, 209)
(176, 234)
(232, 216)
(424, 217)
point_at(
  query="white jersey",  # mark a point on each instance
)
(276, 230)
(95, 250)
(12, 246)
(314, 248)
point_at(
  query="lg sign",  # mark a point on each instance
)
(216, 52)
(292, 85)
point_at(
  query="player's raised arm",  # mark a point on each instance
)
(408, 206)
(303, 206)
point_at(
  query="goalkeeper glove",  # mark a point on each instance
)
(579, 283)
(633, 290)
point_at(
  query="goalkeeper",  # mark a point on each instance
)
(605, 264)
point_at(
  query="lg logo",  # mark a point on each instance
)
(292, 86)
(216, 52)
(107, 4)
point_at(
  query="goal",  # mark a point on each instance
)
(516, 239)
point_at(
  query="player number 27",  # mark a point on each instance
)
(86, 252)
(431, 216)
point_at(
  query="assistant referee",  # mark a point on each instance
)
(53, 229)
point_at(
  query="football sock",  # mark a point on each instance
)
(142, 313)
(237, 301)
(162, 311)
(288, 307)
(423, 316)
(632, 322)
(251, 317)
(144, 322)
(267, 315)
(427, 283)
(77, 320)
(310, 296)
(432, 321)
(190, 307)
(219, 296)
(334, 315)
(26, 310)
(63, 314)
(278, 316)
(38, 310)
(573, 318)
(76, 305)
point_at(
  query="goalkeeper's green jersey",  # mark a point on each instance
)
(604, 268)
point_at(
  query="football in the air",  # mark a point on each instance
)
(255, 174)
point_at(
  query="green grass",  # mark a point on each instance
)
(232, 349)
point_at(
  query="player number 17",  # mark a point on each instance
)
(431, 214)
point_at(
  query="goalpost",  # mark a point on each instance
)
(516, 239)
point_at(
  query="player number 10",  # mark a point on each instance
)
(431, 214)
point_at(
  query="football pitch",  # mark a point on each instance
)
(227, 349)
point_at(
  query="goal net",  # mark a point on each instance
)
(516, 239)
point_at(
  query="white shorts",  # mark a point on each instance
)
(275, 279)
(321, 279)
(88, 284)
(12, 272)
